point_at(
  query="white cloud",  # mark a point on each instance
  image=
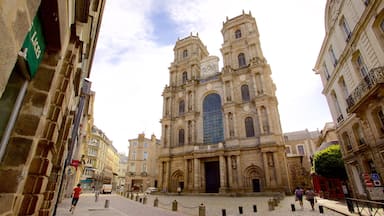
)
(130, 70)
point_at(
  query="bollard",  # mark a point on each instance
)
(254, 208)
(274, 201)
(145, 200)
(271, 206)
(174, 205)
(131, 196)
(106, 204)
(223, 212)
(137, 198)
(293, 207)
(140, 200)
(201, 210)
(156, 202)
(321, 209)
(241, 210)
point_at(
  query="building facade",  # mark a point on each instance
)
(142, 169)
(46, 54)
(350, 65)
(300, 147)
(221, 130)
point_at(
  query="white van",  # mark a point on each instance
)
(106, 188)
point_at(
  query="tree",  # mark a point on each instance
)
(329, 163)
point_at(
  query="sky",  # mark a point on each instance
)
(135, 49)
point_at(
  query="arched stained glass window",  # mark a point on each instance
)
(212, 119)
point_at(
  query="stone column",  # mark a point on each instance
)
(186, 175)
(229, 168)
(239, 174)
(277, 167)
(196, 175)
(266, 170)
(223, 174)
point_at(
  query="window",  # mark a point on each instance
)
(361, 65)
(346, 29)
(300, 149)
(287, 149)
(185, 53)
(238, 34)
(189, 131)
(326, 71)
(134, 155)
(343, 87)
(145, 155)
(241, 59)
(359, 136)
(333, 56)
(185, 77)
(212, 119)
(181, 107)
(145, 145)
(340, 117)
(132, 167)
(378, 117)
(249, 129)
(347, 141)
(378, 27)
(144, 168)
(259, 84)
(245, 93)
(181, 137)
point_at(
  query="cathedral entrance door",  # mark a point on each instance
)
(256, 185)
(212, 177)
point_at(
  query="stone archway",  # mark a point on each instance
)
(177, 179)
(254, 179)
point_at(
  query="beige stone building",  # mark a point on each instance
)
(351, 67)
(142, 169)
(46, 54)
(300, 146)
(221, 129)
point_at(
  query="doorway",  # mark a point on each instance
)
(212, 177)
(256, 185)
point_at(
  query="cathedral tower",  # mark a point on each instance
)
(221, 130)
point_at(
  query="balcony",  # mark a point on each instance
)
(368, 88)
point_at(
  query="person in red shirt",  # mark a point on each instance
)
(75, 196)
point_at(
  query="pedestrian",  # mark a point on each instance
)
(97, 195)
(75, 197)
(299, 196)
(310, 196)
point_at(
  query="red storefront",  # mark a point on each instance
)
(329, 188)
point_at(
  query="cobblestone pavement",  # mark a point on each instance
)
(186, 205)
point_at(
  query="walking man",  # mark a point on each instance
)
(75, 197)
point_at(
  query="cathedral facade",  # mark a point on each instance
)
(221, 129)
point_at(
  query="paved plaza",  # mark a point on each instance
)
(189, 205)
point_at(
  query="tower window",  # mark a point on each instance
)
(249, 129)
(185, 77)
(181, 137)
(181, 107)
(245, 93)
(238, 34)
(333, 56)
(185, 53)
(241, 59)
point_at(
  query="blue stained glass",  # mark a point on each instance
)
(212, 119)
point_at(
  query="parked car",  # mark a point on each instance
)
(149, 190)
(106, 188)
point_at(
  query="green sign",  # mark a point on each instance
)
(34, 46)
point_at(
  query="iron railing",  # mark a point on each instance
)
(374, 77)
(365, 207)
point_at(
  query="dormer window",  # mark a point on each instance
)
(238, 34)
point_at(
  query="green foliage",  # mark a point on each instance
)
(329, 163)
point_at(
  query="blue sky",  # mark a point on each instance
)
(135, 49)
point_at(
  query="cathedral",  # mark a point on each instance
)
(221, 129)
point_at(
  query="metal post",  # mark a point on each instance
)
(254, 208)
(174, 205)
(201, 210)
(106, 204)
(241, 210)
(321, 209)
